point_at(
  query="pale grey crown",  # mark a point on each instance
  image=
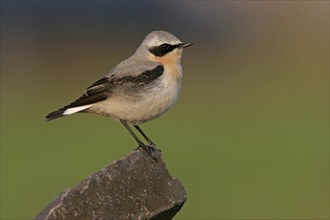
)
(157, 38)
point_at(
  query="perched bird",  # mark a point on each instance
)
(138, 89)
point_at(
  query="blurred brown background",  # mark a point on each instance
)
(248, 137)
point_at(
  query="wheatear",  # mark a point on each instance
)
(138, 89)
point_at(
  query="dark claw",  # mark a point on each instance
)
(151, 151)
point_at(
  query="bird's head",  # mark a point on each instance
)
(162, 46)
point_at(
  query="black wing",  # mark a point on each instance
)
(101, 89)
(143, 78)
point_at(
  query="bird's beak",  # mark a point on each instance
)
(183, 45)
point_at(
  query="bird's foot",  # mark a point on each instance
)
(151, 150)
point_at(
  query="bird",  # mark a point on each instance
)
(138, 89)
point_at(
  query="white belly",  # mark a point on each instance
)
(147, 107)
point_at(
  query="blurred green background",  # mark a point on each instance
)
(248, 138)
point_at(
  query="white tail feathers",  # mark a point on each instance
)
(70, 111)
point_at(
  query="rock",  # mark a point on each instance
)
(134, 187)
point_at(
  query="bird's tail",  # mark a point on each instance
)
(65, 111)
(55, 114)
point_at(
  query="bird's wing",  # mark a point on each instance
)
(141, 79)
(103, 88)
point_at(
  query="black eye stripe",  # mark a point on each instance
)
(163, 49)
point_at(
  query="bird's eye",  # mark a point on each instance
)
(161, 50)
(165, 46)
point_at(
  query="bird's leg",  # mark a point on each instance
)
(149, 149)
(141, 144)
(145, 136)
